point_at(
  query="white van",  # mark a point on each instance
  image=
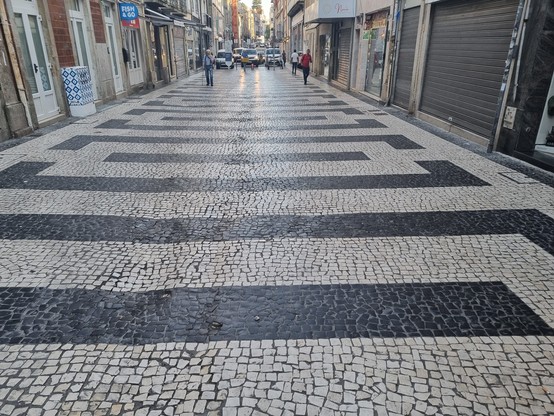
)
(221, 62)
(273, 57)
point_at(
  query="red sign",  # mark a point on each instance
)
(133, 24)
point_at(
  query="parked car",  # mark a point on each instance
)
(273, 57)
(237, 53)
(220, 61)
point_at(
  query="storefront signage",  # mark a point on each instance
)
(133, 24)
(128, 11)
(376, 20)
(330, 9)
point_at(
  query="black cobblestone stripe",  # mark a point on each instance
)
(124, 124)
(283, 96)
(537, 227)
(250, 118)
(234, 159)
(266, 105)
(76, 316)
(442, 173)
(141, 111)
(396, 141)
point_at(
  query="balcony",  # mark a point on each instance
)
(329, 10)
(294, 6)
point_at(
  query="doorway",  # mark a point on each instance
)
(135, 56)
(80, 40)
(375, 55)
(113, 48)
(35, 59)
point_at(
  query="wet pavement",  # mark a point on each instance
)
(264, 247)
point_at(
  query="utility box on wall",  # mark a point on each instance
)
(78, 88)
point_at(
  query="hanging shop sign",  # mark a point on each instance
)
(129, 15)
(128, 11)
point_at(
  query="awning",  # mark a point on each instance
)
(164, 19)
(156, 18)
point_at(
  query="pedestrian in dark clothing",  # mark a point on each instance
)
(284, 58)
(305, 61)
(209, 67)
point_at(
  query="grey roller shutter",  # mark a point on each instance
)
(180, 57)
(467, 52)
(344, 57)
(406, 54)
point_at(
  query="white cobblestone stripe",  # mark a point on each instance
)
(416, 376)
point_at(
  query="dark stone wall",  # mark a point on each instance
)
(537, 65)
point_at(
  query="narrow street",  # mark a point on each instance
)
(267, 247)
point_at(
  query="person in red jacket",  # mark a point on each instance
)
(305, 61)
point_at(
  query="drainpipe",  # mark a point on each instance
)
(521, 42)
(16, 69)
(508, 70)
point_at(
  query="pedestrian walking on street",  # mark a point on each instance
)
(305, 61)
(209, 67)
(294, 60)
(284, 58)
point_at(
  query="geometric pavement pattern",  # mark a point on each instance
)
(264, 247)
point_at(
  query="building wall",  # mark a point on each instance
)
(60, 29)
(97, 21)
(13, 121)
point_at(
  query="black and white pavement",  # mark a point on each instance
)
(262, 247)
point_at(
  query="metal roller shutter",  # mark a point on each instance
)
(467, 52)
(344, 57)
(180, 61)
(406, 53)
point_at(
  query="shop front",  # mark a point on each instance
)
(341, 52)
(133, 53)
(466, 59)
(334, 53)
(375, 33)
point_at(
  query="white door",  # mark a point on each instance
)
(113, 48)
(35, 58)
(135, 57)
(80, 39)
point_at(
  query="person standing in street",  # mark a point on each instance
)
(209, 67)
(294, 60)
(305, 61)
(284, 56)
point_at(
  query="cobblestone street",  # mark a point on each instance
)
(262, 247)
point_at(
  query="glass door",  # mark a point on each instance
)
(35, 59)
(375, 59)
(80, 41)
(113, 48)
(135, 56)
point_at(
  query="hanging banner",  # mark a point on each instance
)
(128, 11)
